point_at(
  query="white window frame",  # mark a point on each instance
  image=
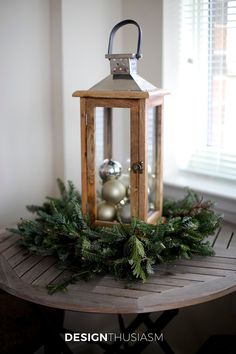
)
(223, 191)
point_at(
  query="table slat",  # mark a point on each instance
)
(35, 272)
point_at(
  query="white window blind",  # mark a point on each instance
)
(207, 75)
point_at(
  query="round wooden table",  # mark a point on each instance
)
(179, 284)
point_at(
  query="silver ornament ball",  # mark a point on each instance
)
(109, 169)
(106, 211)
(124, 213)
(113, 191)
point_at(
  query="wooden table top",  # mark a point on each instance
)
(180, 284)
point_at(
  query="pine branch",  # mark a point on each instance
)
(137, 255)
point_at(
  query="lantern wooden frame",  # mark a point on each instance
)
(138, 103)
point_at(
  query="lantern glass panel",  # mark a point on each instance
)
(99, 127)
(152, 159)
(112, 160)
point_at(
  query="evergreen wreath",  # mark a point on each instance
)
(126, 251)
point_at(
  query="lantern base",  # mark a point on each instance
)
(153, 217)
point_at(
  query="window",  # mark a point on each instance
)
(203, 84)
(208, 37)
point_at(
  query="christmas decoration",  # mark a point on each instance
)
(124, 213)
(113, 191)
(106, 211)
(109, 169)
(124, 250)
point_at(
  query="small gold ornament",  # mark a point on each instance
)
(106, 211)
(124, 213)
(113, 191)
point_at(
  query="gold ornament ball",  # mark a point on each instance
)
(113, 191)
(106, 211)
(124, 213)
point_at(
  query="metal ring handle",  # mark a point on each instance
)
(119, 25)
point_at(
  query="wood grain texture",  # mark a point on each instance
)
(153, 217)
(7, 242)
(83, 138)
(91, 173)
(107, 138)
(143, 152)
(110, 94)
(137, 102)
(159, 159)
(121, 94)
(134, 152)
(176, 285)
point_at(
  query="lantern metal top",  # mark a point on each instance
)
(124, 67)
(123, 80)
(123, 64)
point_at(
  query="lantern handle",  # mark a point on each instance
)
(119, 25)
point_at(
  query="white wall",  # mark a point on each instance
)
(49, 49)
(148, 14)
(26, 169)
(85, 33)
(56, 88)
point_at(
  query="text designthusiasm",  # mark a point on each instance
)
(113, 337)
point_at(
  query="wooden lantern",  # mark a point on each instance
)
(121, 119)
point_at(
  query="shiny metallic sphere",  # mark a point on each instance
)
(109, 169)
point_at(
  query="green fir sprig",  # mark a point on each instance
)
(125, 250)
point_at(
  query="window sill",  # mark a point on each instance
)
(221, 191)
